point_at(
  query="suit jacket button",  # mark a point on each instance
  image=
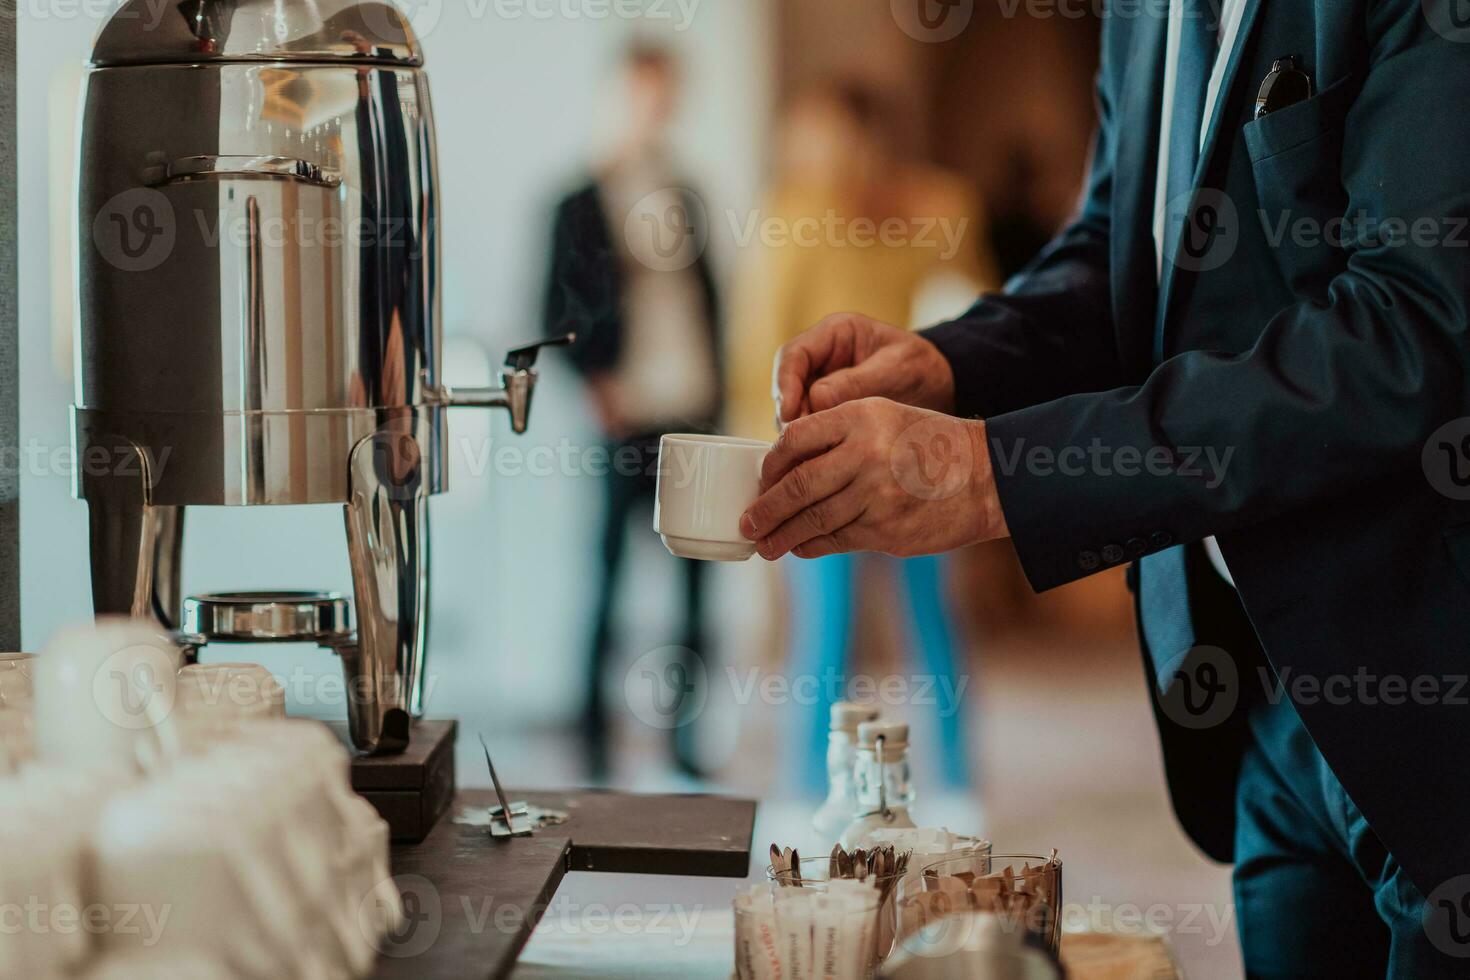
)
(1160, 540)
(1089, 561)
(1137, 547)
(1112, 553)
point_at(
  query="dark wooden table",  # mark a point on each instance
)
(471, 901)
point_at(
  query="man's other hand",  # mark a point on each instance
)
(874, 475)
(849, 356)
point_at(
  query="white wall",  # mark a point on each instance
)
(517, 102)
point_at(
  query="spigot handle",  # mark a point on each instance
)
(524, 358)
(517, 384)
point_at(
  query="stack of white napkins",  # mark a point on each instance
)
(238, 850)
(269, 864)
(48, 816)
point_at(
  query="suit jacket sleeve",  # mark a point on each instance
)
(1050, 332)
(1332, 395)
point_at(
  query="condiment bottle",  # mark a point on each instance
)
(882, 780)
(841, 806)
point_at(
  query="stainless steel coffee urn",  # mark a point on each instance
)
(258, 276)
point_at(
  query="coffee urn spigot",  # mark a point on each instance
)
(517, 385)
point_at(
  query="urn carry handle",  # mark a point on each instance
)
(224, 167)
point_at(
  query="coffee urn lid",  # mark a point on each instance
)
(147, 32)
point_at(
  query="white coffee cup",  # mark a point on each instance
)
(705, 484)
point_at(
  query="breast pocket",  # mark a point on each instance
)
(1296, 158)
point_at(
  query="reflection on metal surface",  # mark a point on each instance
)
(388, 542)
(337, 221)
(136, 543)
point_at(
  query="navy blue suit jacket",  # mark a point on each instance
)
(1321, 355)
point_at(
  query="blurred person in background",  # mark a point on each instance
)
(628, 274)
(847, 224)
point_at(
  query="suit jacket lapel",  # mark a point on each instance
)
(1212, 142)
(1136, 142)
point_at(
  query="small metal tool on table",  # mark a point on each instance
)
(508, 819)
